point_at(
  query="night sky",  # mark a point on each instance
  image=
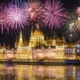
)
(10, 38)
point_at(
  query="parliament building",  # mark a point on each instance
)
(39, 48)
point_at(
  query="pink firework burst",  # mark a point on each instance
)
(53, 14)
(3, 24)
(16, 16)
(34, 10)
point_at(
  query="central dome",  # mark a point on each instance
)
(37, 32)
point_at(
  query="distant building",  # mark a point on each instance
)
(39, 48)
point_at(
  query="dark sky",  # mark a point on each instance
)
(10, 38)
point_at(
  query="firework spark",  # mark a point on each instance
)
(72, 16)
(77, 21)
(3, 24)
(53, 14)
(71, 33)
(78, 11)
(34, 10)
(16, 16)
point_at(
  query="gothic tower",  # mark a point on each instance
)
(31, 43)
(20, 40)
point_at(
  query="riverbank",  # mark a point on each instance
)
(42, 62)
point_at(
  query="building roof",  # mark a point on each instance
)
(37, 32)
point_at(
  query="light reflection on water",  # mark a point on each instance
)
(39, 72)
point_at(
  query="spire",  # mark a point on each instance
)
(20, 40)
(37, 26)
(54, 35)
(16, 44)
(30, 44)
(31, 31)
(63, 39)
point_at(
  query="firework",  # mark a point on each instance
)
(3, 24)
(78, 11)
(16, 16)
(71, 33)
(72, 16)
(53, 14)
(34, 9)
(77, 22)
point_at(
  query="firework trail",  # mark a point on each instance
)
(53, 14)
(34, 9)
(71, 33)
(16, 16)
(77, 21)
(3, 24)
(78, 11)
(72, 16)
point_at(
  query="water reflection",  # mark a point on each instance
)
(38, 72)
(8, 72)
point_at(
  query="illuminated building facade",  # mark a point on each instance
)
(56, 48)
(37, 38)
(24, 51)
(1, 52)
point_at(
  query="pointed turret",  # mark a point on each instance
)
(20, 40)
(16, 44)
(31, 38)
(31, 31)
(63, 39)
(54, 35)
